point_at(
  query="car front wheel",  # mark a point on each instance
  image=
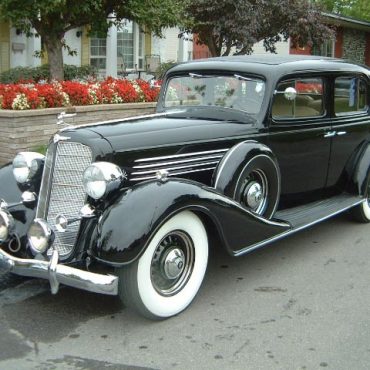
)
(166, 278)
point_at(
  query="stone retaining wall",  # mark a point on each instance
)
(26, 130)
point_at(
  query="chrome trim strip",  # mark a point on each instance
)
(60, 274)
(180, 161)
(175, 168)
(180, 155)
(127, 119)
(292, 231)
(173, 174)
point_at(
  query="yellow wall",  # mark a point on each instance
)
(148, 44)
(4, 46)
(85, 47)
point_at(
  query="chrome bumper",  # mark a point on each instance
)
(60, 274)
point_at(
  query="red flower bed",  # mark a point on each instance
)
(49, 95)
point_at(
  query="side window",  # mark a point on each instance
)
(349, 95)
(307, 102)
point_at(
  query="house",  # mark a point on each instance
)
(352, 41)
(126, 48)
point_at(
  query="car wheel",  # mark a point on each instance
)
(258, 186)
(166, 278)
(361, 213)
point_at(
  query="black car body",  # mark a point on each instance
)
(245, 150)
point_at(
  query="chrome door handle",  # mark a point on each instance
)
(339, 133)
(330, 134)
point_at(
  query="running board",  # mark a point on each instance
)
(305, 216)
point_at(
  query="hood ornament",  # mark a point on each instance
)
(58, 138)
(61, 116)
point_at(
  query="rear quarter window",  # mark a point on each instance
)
(349, 95)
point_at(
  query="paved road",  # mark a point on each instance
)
(302, 303)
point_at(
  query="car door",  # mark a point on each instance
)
(300, 136)
(350, 125)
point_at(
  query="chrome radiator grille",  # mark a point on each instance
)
(178, 164)
(62, 190)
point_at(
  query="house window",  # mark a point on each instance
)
(349, 95)
(125, 44)
(326, 49)
(98, 52)
(130, 45)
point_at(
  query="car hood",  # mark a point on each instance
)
(164, 130)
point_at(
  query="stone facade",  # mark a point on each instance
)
(354, 45)
(27, 130)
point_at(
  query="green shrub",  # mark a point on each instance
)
(36, 74)
(163, 68)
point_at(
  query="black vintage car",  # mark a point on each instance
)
(242, 151)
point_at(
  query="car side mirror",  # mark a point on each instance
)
(290, 93)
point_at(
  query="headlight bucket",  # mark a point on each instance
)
(26, 165)
(6, 225)
(39, 236)
(101, 178)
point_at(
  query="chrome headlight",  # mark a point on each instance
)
(6, 225)
(26, 165)
(100, 178)
(39, 235)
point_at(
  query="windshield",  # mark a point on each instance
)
(235, 92)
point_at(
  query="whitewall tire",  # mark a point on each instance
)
(166, 278)
(361, 213)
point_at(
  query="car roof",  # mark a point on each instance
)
(270, 64)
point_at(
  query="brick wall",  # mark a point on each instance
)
(26, 130)
(354, 45)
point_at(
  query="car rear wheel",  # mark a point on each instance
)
(361, 213)
(166, 278)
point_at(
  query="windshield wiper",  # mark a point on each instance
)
(239, 77)
(195, 75)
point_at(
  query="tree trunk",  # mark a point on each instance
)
(54, 48)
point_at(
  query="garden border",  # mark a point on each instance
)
(29, 129)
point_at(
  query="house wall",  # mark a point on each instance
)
(4, 46)
(354, 45)
(338, 48)
(367, 49)
(73, 40)
(172, 47)
(282, 48)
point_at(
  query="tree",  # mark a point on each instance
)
(354, 8)
(229, 25)
(53, 18)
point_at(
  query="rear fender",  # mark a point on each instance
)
(126, 228)
(361, 172)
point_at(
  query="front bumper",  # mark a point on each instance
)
(60, 274)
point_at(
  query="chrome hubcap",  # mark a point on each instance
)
(254, 195)
(172, 263)
(255, 191)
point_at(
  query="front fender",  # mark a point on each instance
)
(228, 170)
(127, 227)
